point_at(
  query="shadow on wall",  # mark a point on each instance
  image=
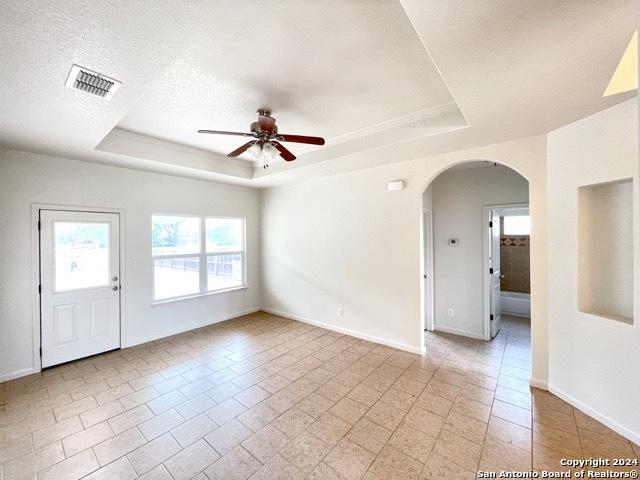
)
(322, 296)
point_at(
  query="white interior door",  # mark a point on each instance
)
(494, 273)
(80, 284)
(427, 269)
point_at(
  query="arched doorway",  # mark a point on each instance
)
(475, 243)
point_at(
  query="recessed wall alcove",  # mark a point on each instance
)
(605, 250)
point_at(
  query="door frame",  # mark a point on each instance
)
(486, 251)
(35, 270)
(426, 268)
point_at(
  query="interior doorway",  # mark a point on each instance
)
(507, 252)
(79, 284)
(427, 269)
(473, 262)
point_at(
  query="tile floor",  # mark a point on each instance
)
(264, 397)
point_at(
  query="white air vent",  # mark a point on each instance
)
(88, 81)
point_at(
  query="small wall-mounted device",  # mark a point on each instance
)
(395, 185)
(453, 242)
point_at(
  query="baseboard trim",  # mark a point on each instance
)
(612, 424)
(18, 373)
(206, 323)
(462, 333)
(346, 331)
(538, 383)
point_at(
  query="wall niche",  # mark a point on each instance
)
(605, 250)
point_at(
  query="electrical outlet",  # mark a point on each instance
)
(137, 265)
(450, 312)
(340, 311)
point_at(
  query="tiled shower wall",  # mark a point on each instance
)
(514, 262)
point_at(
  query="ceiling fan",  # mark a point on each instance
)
(266, 145)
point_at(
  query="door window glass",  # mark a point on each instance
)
(81, 252)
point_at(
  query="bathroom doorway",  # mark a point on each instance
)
(507, 266)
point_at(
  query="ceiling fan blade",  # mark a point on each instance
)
(301, 139)
(241, 149)
(284, 153)
(220, 132)
(266, 123)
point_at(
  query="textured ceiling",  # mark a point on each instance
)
(325, 68)
(382, 80)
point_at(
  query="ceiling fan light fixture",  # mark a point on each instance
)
(255, 152)
(269, 153)
(263, 153)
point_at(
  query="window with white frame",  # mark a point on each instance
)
(196, 255)
(517, 225)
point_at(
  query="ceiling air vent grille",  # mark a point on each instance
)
(81, 78)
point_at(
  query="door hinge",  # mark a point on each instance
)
(491, 271)
(491, 317)
(39, 288)
(490, 224)
(39, 226)
(40, 352)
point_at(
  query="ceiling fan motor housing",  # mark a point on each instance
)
(256, 129)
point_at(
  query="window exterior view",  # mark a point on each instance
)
(196, 255)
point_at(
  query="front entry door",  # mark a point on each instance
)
(80, 284)
(495, 317)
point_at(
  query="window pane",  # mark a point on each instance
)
(224, 271)
(175, 235)
(224, 234)
(175, 277)
(81, 253)
(517, 225)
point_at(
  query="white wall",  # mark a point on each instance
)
(344, 241)
(458, 197)
(594, 362)
(27, 178)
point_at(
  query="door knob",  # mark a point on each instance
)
(115, 287)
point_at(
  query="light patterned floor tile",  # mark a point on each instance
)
(86, 438)
(237, 464)
(228, 436)
(305, 451)
(369, 435)
(120, 445)
(153, 453)
(313, 402)
(392, 464)
(72, 468)
(265, 443)
(193, 430)
(349, 460)
(192, 460)
(120, 470)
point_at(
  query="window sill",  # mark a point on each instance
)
(197, 295)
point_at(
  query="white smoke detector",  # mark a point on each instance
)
(88, 81)
(395, 186)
